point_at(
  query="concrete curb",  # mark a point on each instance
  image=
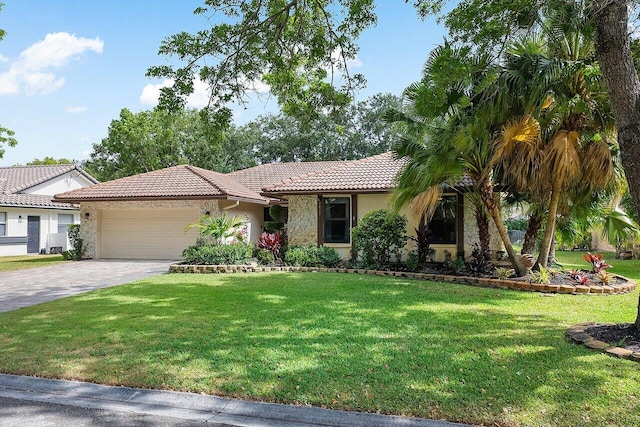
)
(191, 406)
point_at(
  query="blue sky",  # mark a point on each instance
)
(67, 67)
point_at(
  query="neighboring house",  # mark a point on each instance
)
(144, 216)
(30, 222)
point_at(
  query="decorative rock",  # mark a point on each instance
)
(553, 288)
(596, 344)
(581, 289)
(622, 353)
(635, 357)
(581, 337)
(538, 287)
(567, 289)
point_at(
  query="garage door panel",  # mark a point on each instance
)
(146, 234)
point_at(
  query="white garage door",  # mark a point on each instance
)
(146, 233)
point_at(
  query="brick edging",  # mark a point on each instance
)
(578, 335)
(516, 285)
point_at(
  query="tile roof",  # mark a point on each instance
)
(177, 182)
(32, 201)
(371, 174)
(258, 177)
(15, 179)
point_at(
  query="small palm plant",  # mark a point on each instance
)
(219, 229)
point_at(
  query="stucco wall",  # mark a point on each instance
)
(17, 222)
(471, 234)
(303, 221)
(255, 214)
(89, 227)
(63, 183)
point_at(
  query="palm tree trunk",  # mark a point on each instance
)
(488, 197)
(482, 221)
(547, 239)
(531, 235)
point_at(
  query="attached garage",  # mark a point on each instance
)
(144, 216)
(146, 233)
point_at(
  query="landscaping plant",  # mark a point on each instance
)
(596, 261)
(379, 237)
(271, 242)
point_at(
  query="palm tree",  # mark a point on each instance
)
(445, 140)
(219, 229)
(567, 99)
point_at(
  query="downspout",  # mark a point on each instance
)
(226, 208)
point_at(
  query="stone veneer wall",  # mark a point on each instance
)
(471, 234)
(89, 226)
(303, 221)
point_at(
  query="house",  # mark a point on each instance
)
(144, 216)
(30, 222)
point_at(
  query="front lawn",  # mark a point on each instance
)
(10, 263)
(343, 341)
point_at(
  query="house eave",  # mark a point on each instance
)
(159, 198)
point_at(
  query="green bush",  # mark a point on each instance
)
(312, 257)
(297, 256)
(413, 262)
(217, 254)
(77, 253)
(379, 236)
(265, 256)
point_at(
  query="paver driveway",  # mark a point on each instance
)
(32, 286)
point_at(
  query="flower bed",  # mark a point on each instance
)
(621, 286)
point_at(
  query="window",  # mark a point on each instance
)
(64, 220)
(443, 223)
(336, 214)
(3, 223)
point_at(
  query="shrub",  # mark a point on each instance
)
(297, 256)
(379, 236)
(413, 262)
(479, 261)
(596, 261)
(504, 273)
(217, 254)
(423, 244)
(265, 256)
(271, 242)
(542, 276)
(312, 257)
(73, 231)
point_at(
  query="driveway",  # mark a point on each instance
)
(28, 287)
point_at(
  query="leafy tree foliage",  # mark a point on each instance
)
(299, 48)
(151, 140)
(50, 161)
(355, 132)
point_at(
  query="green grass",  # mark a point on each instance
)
(11, 263)
(367, 343)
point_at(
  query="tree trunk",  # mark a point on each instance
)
(531, 235)
(550, 228)
(616, 62)
(489, 199)
(482, 221)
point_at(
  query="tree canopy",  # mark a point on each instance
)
(301, 49)
(151, 140)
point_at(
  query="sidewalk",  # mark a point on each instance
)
(195, 407)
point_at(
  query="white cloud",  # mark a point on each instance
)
(79, 109)
(3, 58)
(33, 72)
(198, 99)
(200, 96)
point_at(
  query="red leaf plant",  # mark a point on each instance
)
(596, 262)
(271, 242)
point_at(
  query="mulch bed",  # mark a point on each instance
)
(620, 335)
